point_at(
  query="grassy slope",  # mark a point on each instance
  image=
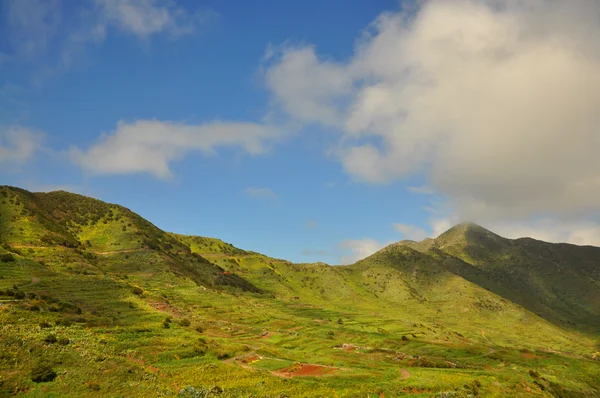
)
(119, 347)
(559, 282)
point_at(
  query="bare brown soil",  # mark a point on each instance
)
(299, 370)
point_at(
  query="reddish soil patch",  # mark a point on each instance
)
(296, 328)
(164, 307)
(251, 359)
(527, 355)
(265, 335)
(297, 370)
(530, 355)
(135, 360)
(405, 374)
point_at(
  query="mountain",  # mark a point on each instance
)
(93, 227)
(559, 282)
(97, 301)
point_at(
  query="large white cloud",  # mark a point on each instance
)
(149, 146)
(496, 102)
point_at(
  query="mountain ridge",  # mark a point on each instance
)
(202, 310)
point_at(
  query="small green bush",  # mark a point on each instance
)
(7, 258)
(42, 372)
(51, 339)
(63, 340)
(185, 322)
(45, 325)
(137, 291)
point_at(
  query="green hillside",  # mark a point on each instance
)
(97, 301)
(559, 282)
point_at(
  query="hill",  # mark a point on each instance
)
(559, 282)
(97, 301)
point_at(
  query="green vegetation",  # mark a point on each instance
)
(96, 301)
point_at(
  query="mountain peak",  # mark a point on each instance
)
(469, 234)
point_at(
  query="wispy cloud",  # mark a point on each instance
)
(19, 144)
(261, 193)
(150, 146)
(315, 252)
(49, 37)
(411, 232)
(357, 249)
(144, 18)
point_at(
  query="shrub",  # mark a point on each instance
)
(93, 386)
(50, 339)
(19, 295)
(34, 307)
(63, 322)
(185, 322)
(63, 341)
(7, 258)
(166, 323)
(199, 329)
(45, 325)
(137, 291)
(42, 372)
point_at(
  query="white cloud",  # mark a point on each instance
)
(19, 144)
(358, 249)
(150, 146)
(32, 24)
(423, 189)
(495, 102)
(48, 36)
(143, 18)
(261, 193)
(411, 232)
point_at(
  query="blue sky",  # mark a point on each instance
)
(311, 131)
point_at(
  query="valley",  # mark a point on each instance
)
(97, 301)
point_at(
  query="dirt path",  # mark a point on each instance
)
(405, 374)
(107, 253)
(100, 253)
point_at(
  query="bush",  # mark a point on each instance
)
(42, 372)
(63, 341)
(166, 323)
(7, 258)
(185, 322)
(63, 322)
(199, 329)
(93, 386)
(19, 295)
(34, 308)
(50, 339)
(45, 325)
(137, 291)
